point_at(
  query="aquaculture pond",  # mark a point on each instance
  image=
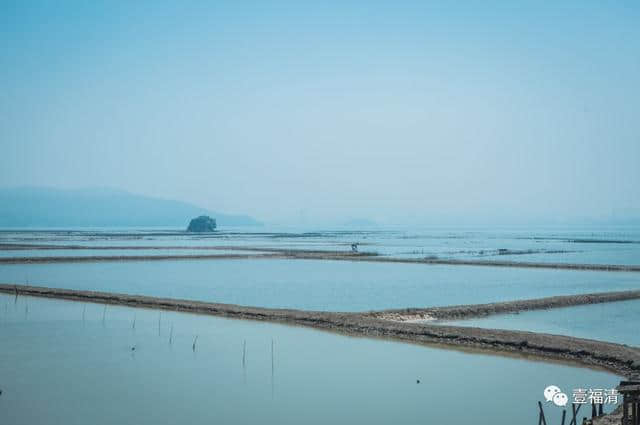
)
(76, 363)
(318, 284)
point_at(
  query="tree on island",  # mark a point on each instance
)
(204, 223)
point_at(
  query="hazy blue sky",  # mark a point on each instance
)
(329, 110)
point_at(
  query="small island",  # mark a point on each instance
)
(204, 223)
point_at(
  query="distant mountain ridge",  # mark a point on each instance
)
(49, 207)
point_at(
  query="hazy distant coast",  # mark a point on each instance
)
(24, 207)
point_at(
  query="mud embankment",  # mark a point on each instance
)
(295, 254)
(256, 255)
(460, 312)
(536, 265)
(617, 358)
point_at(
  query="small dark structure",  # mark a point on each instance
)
(596, 411)
(354, 247)
(204, 223)
(630, 391)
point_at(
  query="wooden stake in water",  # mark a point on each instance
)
(171, 335)
(575, 411)
(541, 419)
(244, 361)
(193, 347)
(133, 324)
(159, 320)
(104, 314)
(244, 353)
(272, 370)
(84, 310)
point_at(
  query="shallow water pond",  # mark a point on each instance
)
(118, 252)
(316, 284)
(73, 363)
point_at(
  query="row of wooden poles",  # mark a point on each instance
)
(630, 391)
(596, 410)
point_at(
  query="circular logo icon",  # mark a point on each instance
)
(550, 391)
(560, 399)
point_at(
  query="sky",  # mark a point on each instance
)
(293, 111)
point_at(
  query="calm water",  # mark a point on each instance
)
(614, 322)
(318, 285)
(117, 252)
(607, 245)
(57, 368)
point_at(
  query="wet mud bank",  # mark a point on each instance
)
(536, 265)
(459, 312)
(291, 254)
(617, 358)
(252, 253)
